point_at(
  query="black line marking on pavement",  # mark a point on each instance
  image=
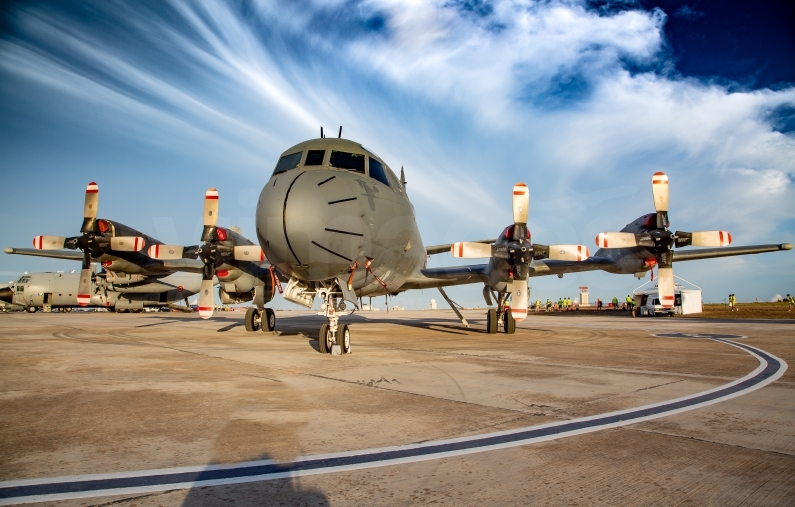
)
(36, 490)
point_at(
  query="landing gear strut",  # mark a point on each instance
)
(333, 334)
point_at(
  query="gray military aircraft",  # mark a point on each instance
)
(337, 223)
(119, 292)
(237, 263)
(117, 246)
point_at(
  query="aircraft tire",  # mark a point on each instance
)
(268, 322)
(344, 338)
(31, 309)
(322, 339)
(509, 322)
(491, 321)
(251, 319)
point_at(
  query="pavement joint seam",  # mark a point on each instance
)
(707, 441)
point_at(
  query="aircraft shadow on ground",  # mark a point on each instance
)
(278, 492)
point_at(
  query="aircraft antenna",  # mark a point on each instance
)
(340, 134)
(321, 132)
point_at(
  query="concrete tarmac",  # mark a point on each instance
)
(94, 393)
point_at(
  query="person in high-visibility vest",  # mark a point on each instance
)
(630, 302)
(560, 304)
(615, 303)
(549, 305)
(734, 303)
(538, 305)
(791, 301)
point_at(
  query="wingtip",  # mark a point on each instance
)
(784, 246)
(8, 250)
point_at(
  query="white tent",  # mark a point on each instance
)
(687, 301)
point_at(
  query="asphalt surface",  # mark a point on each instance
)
(112, 394)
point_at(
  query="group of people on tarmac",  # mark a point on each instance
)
(562, 305)
(733, 303)
(629, 305)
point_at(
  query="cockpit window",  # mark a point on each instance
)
(350, 161)
(315, 157)
(24, 279)
(377, 171)
(288, 162)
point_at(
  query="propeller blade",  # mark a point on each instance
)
(49, 242)
(211, 208)
(468, 250)
(206, 299)
(248, 253)
(569, 252)
(84, 286)
(665, 286)
(165, 252)
(90, 206)
(710, 238)
(519, 300)
(127, 243)
(659, 190)
(616, 240)
(521, 203)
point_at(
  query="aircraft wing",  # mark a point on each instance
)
(69, 255)
(709, 253)
(437, 249)
(443, 277)
(550, 267)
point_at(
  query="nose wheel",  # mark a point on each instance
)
(333, 334)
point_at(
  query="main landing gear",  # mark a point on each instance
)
(257, 319)
(333, 333)
(500, 316)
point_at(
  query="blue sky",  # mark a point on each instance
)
(582, 101)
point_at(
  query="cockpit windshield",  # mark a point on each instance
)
(377, 171)
(350, 161)
(288, 162)
(23, 279)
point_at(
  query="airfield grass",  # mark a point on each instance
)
(744, 311)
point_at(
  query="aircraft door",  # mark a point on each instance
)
(47, 302)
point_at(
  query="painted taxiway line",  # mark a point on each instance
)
(148, 481)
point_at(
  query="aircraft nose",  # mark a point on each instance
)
(7, 295)
(322, 226)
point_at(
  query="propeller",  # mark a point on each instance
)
(656, 237)
(517, 250)
(215, 244)
(92, 241)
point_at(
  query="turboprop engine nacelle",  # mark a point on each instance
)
(231, 298)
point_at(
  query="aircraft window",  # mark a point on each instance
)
(315, 157)
(351, 161)
(377, 171)
(24, 279)
(20, 288)
(288, 162)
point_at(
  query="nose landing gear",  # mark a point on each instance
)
(333, 338)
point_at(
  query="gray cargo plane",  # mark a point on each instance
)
(117, 246)
(115, 291)
(335, 221)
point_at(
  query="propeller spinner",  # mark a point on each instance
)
(658, 239)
